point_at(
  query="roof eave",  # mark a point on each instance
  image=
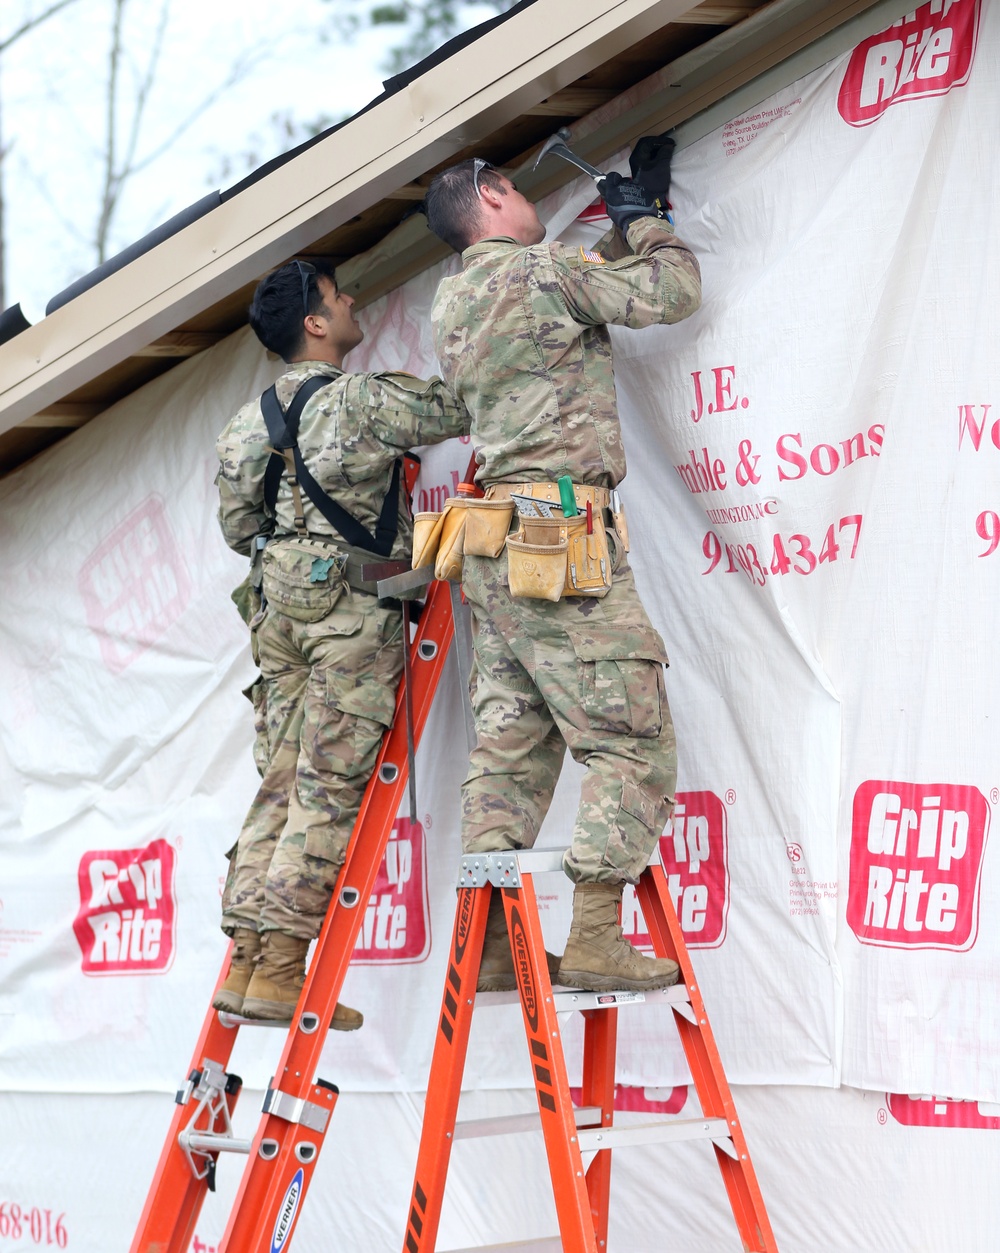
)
(456, 103)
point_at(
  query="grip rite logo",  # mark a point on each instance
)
(125, 924)
(695, 860)
(635, 1100)
(943, 1111)
(397, 925)
(916, 861)
(925, 53)
(134, 585)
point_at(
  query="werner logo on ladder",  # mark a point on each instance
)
(296, 1116)
(297, 1108)
(581, 1197)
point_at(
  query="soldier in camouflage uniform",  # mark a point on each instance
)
(329, 651)
(521, 334)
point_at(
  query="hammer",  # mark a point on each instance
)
(557, 146)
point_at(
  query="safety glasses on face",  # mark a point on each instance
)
(307, 272)
(478, 165)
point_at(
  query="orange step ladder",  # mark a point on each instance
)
(581, 1197)
(283, 1154)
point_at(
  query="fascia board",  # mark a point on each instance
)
(481, 87)
(699, 91)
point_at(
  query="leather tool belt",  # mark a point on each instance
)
(548, 557)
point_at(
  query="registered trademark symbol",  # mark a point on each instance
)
(731, 797)
(882, 1116)
(995, 795)
(427, 822)
(179, 842)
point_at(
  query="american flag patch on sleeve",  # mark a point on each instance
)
(594, 257)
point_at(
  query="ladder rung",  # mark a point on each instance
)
(509, 1124)
(654, 1133)
(549, 860)
(213, 1142)
(567, 1001)
(546, 1244)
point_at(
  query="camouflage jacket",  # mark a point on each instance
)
(350, 435)
(521, 335)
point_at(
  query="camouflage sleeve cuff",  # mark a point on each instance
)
(645, 233)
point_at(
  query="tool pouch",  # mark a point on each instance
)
(302, 580)
(426, 538)
(486, 525)
(588, 562)
(536, 559)
(621, 525)
(448, 563)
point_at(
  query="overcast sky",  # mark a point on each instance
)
(52, 86)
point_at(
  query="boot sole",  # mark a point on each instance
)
(497, 983)
(508, 982)
(270, 1011)
(274, 1011)
(228, 1003)
(606, 983)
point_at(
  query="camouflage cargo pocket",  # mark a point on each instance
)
(634, 832)
(246, 598)
(256, 694)
(621, 679)
(363, 696)
(623, 697)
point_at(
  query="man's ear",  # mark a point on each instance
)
(490, 196)
(313, 324)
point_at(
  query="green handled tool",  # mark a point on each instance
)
(567, 496)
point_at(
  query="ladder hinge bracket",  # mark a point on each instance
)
(210, 1087)
(499, 869)
(296, 1109)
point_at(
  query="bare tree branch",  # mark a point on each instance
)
(109, 194)
(241, 68)
(30, 23)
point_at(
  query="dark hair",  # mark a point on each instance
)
(452, 202)
(282, 301)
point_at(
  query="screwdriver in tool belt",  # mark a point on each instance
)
(567, 496)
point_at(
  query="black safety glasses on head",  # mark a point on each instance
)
(478, 165)
(307, 272)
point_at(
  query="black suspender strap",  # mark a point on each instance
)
(283, 429)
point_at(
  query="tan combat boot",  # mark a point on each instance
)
(598, 958)
(496, 970)
(246, 946)
(274, 989)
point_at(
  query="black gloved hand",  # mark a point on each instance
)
(625, 201)
(650, 164)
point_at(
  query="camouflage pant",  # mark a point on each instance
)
(327, 693)
(580, 672)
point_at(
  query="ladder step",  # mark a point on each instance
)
(715, 1129)
(566, 1001)
(510, 1124)
(547, 1244)
(213, 1142)
(504, 870)
(237, 1020)
(549, 860)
